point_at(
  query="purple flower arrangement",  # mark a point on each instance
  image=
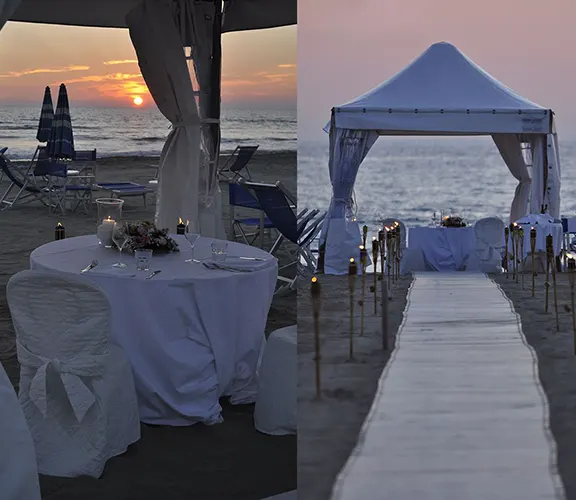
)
(144, 234)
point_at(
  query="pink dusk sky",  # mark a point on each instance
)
(346, 48)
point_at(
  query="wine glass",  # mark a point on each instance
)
(120, 238)
(191, 238)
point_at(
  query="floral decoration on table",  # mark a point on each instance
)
(145, 235)
(453, 221)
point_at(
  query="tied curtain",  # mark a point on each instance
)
(200, 28)
(340, 235)
(7, 8)
(510, 148)
(158, 45)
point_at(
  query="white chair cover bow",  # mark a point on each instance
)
(489, 236)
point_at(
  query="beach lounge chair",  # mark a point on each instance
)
(76, 389)
(238, 196)
(237, 162)
(125, 189)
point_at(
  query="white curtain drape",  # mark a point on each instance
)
(197, 21)
(341, 236)
(7, 8)
(537, 195)
(160, 52)
(510, 148)
(554, 174)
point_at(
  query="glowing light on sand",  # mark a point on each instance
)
(138, 101)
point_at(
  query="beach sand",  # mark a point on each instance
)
(556, 360)
(328, 428)
(231, 460)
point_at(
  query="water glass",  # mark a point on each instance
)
(219, 250)
(143, 259)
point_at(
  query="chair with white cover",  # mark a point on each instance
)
(489, 248)
(76, 390)
(18, 469)
(275, 410)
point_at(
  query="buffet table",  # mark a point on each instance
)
(192, 334)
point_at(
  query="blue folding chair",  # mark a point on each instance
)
(236, 162)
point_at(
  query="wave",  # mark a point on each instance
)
(148, 139)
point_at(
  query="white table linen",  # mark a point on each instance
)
(192, 334)
(544, 226)
(443, 248)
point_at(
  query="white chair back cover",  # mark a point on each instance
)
(489, 236)
(276, 402)
(69, 372)
(390, 222)
(18, 469)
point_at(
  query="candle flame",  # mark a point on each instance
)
(351, 260)
(59, 224)
(109, 218)
(314, 279)
(180, 221)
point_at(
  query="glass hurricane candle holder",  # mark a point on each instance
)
(109, 212)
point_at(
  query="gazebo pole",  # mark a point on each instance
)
(216, 84)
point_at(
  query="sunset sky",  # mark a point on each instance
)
(346, 48)
(99, 66)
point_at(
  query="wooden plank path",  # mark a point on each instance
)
(460, 413)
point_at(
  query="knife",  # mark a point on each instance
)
(154, 273)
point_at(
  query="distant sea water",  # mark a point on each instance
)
(142, 131)
(411, 178)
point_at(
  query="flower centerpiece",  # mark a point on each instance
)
(453, 221)
(145, 235)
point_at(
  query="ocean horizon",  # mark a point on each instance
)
(412, 178)
(128, 131)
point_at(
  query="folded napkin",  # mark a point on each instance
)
(237, 264)
(108, 270)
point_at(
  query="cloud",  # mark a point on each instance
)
(286, 66)
(122, 61)
(104, 78)
(65, 69)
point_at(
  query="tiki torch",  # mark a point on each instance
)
(572, 280)
(547, 271)
(316, 303)
(533, 250)
(363, 262)
(521, 253)
(550, 250)
(382, 245)
(375, 259)
(398, 250)
(364, 235)
(352, 272)
(506, 235)
(388, 253)
(515, 239)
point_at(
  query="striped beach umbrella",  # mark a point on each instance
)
(61, 141)
(46, 117)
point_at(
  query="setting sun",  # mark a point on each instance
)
(138, 100)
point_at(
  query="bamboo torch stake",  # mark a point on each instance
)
(364, 235)
(352, 272)
(363, 262)
(516, 260)
(388, 254)
(316, 303)
(521, 253)
(547, 275)
(533, 251)
(550, 245)
(382, 246)
(398, 250)
(506, 236)
(375, 259)
(572, 280)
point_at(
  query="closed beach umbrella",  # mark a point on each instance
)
(61, 141)
(46, 117)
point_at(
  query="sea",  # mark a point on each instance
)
(142, 131)
(414, 178)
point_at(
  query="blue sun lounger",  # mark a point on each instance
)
(124, 189)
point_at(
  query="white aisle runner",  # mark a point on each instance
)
(459, 413)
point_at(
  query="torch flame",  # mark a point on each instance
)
(180, 221)
(351, 260)
(59, 224)
(314, 279)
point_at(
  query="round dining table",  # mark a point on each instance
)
(193, 333)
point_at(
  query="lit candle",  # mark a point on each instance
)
(59, 232)
(105, 231)
(180, 228)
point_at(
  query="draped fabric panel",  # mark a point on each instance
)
(537, 196)
(554, 174)
(158, 45)
(7, 8)
(198, 22)
(348, 148)
(510, 148)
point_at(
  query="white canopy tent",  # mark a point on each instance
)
(441, 93)
(166, 34)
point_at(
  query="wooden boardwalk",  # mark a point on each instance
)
(460, 413)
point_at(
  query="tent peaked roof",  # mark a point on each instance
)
(442, 78)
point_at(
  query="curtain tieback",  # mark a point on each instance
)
(185, 123)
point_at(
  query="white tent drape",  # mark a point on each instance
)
(537, 195)
(510, 147)
(7, 8)
(554, 175)
(339, 234)
(197, 22)
(158, 45)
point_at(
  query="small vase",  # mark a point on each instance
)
(109, 212)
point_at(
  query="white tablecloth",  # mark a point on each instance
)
(192, 334)
(542, 230)
(444, 248)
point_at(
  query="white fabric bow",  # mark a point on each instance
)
(80, 396)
